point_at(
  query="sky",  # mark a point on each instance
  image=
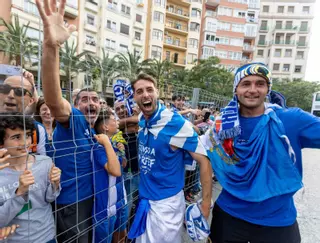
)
(313, 63)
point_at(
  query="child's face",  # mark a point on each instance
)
(16, 143)
(112, 125)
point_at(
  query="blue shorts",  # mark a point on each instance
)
(104, 230)
(122, 219)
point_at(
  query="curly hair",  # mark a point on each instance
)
(14, 120)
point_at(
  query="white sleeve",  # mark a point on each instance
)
(41, 146)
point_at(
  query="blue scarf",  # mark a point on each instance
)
(173, 129)
(260, 169)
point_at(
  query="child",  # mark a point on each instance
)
(116, 203)
(27, 185)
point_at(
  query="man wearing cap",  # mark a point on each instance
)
(255, 151)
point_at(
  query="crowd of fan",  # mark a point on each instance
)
(47, 164)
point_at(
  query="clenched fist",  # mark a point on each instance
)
(55, 174)
(25, 180)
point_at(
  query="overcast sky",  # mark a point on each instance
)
(313, 65)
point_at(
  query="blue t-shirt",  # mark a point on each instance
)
(303, 131)
(161, 168)
(109, 190)
(72, 155)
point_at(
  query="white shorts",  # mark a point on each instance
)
(165, 220)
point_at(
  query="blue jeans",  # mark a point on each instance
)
(131, 184)
(104, 230)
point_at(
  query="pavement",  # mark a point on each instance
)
(307, 200)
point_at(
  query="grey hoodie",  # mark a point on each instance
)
(34, 215)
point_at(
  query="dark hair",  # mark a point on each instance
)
(103, 116)
(176, 97)
(37, 116)
(143, 76)
(76, 100)
(14, 120)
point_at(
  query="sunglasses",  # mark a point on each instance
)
(6, 88)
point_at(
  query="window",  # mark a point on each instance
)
(236, 42)
(238, 28)
(124, 29)
(158, 17)
(290, 9)
(300, 55)
(260, 53)
(112, 25)
(277, 52)
(302, 41)
(90, 19)
(234, 55)
(304, 26)
(125, 9)
(139, 18)
(192, 58)
(265, 9)
(110, 44)
(156, 52)
(194, 26)
(278, 24)
(264, 24)
(306, 9)
(211, 26)
(289, 25)
(193, 43)
(208, 52)
(225, 11)
(286, 68)
(137, 35)
(123, 48)
(160, 3)
(222, 40)
(223, 26)
(90, 40)
(239, 13)
(157, 35)
(276, 67)
(297, 69)
(210, 38)
(195, 13)
(112, 4)
(280, 9)
(288, 53)
(222, 54)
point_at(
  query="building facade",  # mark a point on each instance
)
(229, 30)
(284, 34)
(174, 31)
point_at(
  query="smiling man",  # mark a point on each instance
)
(255, 151)
(165, 138)
(73, 134)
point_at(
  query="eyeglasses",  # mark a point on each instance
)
(6, 88)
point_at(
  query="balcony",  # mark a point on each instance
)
(137, 42)
(304, 29)
(90, 27)
(71, 12)
(302, 44)
(177, 28)
(90, 46)
(262, 43)
(177, 13)
(249, 34)
(287, 28)
(92, 5)
(252, 19)
(179, 62)
(263, 28)
(209, 43)
(138, 25)
(213, 3)
(211, 14)
(282, 42)
(175, 44)
(248, 48)
(185, 3)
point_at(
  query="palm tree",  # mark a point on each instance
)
(130, 64)
(160, 70)
(71, 63)
(15, 43)
(108, 69)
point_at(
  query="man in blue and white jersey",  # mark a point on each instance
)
(166, 140)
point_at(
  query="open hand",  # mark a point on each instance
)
(56, 32)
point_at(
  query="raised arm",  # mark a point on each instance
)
(55, 34)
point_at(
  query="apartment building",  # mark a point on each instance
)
(284, 34)
(229, 30)
(174, 31)
(28, 14)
